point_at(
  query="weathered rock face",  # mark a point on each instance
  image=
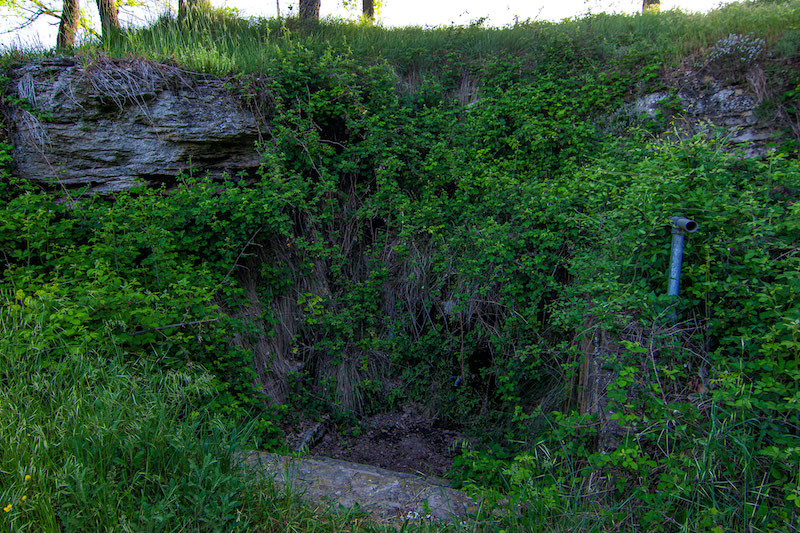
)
(394, 497)
(732, 109)
(111, 124)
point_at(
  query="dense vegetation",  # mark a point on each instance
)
(452, 217)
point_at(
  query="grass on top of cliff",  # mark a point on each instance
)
(220, 42)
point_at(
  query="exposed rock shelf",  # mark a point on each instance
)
(732, 110)
(382, 493)
(109, 124)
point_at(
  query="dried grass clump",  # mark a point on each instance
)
(125, 81)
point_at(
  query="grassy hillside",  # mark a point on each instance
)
(458, 217)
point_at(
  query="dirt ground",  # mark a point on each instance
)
(404, 442)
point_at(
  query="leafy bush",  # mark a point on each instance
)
(425, 227)
(707, 405)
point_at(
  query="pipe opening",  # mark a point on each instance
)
(685, 224)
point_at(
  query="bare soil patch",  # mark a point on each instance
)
(406, 441)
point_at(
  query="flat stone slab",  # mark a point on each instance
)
(382, 493)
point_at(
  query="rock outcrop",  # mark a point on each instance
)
(731, 109)
(111, 124)
(391, 496)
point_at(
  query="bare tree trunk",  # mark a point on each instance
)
(368, 9)
(68, 27)
(108, 18)
(651, 5)
(309, 10)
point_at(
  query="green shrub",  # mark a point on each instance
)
(442, 216)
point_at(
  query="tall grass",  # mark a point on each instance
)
(94, 443)
(220, 42)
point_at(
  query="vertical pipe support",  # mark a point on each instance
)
(680, 227)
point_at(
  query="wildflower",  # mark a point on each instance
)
(27, 477)
(7, 508)
(24, 497)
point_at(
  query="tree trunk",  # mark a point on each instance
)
(651, 5)
(309, 10)
(108, 18)
(68, 27)
(368, 9)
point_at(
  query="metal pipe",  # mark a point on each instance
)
(680, 227)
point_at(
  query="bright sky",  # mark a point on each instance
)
(391, 13)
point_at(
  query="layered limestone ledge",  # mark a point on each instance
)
(731, 109)
(112, 124)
